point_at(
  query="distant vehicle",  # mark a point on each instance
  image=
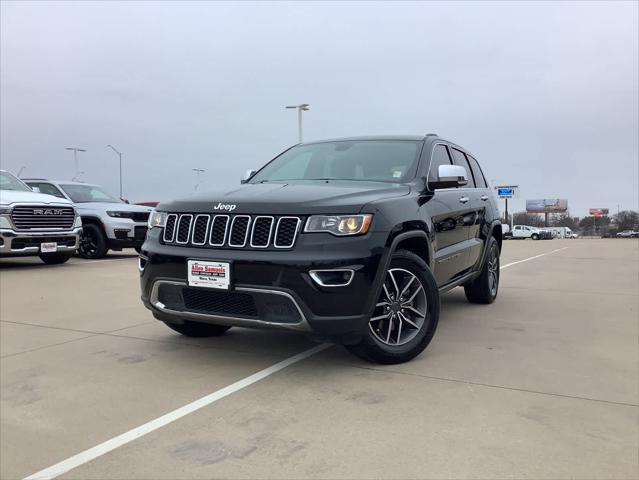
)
(108, 223)
(628, 234)
(36, 224)
(562, 232)
(521, 232)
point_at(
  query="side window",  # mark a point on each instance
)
(48, 189)
(480, 180)
(460, 159)
(440, 157)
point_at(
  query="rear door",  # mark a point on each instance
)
(483, 204)
(448, 215)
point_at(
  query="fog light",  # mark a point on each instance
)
(332, 278)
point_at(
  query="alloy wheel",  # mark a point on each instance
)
(88, 243)
(493, 270)
(400, 312)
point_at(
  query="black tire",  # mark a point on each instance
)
(409, 341)
(485, 287)
(54, 258)
(93, 243)
(534, 236)
(195, 329)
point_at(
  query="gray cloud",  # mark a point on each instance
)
(544, 94)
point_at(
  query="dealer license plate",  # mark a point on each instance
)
(48, 247)
(209, 274)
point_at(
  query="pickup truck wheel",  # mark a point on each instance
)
(195, 329)
(406, 314)
(534, 236)
(92, 242)
(485, 287)
(54, 258)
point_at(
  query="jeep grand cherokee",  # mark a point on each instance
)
(352, 240)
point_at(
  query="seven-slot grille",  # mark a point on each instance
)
(34, 217)
(235, 231)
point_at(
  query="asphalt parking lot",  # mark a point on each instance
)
(542, 384)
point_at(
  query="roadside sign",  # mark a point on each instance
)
(599, 212)
(547, 205)
(506, 191)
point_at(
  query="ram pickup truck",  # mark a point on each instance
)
(351, 240)
(36, 224)
(108, 223)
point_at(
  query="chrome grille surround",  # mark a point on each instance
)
(246, 232)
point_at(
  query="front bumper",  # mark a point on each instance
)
(125, 233)
(276, 284)
(23, 243)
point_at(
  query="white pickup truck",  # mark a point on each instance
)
(524, 231)
(36, 224)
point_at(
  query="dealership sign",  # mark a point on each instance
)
(547, 205)
(506, 191)
(599, 212)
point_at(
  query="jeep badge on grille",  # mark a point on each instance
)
(225, 206)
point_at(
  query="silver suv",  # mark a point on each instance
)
(36, 224)
(108, 222)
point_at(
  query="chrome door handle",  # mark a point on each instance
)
(464, 199)
(484, 198)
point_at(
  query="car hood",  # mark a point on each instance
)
(305, 197)
(112, 207)
(7, 197)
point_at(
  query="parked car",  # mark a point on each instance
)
(562, 232)
(36, 224)
(628, 234)
(521, 232)
(352, 240)
(108, 223)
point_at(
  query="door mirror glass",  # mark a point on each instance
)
(247, 176)
(450, 176)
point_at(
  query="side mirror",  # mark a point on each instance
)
(450, 176)
(36, 189)
(247, 176)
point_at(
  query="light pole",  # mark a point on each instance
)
(119, 155)
(197, 171)
(75, 159)
(300, 108)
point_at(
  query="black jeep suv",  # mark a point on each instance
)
(352, 240)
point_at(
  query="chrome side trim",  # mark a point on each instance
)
(316, 278)
(177, 231)
(297, 229)
(226, 230)
(270, 231)
(229, 320)
(141, 266)
(164, 237)
(206, 230)
(246, 235)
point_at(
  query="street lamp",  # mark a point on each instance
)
(300, 108)
(119, 155)
(197, 171)
(75, 159)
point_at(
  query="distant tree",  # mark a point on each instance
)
(530, 219)
(627, 220)
(564, 220)
(587, 222)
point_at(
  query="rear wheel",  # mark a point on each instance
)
(485, 287)
(54, 258)
(92, 242)
(406, 313)
(195, 329)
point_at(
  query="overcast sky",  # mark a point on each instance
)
(545, 94)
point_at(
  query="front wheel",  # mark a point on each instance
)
(484, 288)
(535, 236)
(92, 242)
(54, 258)
(406, 313)
(195, 329)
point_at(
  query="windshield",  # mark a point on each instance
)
(9, 182)
(88, 193)
(366, 160)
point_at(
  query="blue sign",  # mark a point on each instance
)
(505, 192)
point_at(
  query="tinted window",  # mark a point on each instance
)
(480, 181)
(48, 189)
(460, 159)
(440, 157)
(88, 193)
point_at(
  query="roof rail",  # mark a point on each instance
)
(431, 134)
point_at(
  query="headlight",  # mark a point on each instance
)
(157, 219)
(5, 211)
(339, 224)
(78, 221)
(119, 214)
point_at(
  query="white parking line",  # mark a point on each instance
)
(127, 437)
(115, 442)
(531, 258)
